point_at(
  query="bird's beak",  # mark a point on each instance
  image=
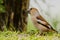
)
(28, 12)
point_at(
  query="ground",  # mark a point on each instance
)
(9, 35)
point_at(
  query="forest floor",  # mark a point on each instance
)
(39, 37)
(24, 36)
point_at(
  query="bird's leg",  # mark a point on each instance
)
(40, 33)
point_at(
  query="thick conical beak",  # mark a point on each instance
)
(28, 12)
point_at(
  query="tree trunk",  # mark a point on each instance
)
(20, 14)
(16, 11)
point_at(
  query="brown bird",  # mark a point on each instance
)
(39, 22)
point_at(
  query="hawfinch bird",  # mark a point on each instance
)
(39, 22)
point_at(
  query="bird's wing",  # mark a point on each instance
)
(42, 19)
(41, 22)
(47, 26)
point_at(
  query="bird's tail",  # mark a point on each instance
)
(53, 29)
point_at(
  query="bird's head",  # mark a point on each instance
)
(33, 12)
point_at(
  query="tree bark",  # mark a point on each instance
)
(16, 11)
(20, 15)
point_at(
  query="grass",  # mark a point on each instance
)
(9, 35)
